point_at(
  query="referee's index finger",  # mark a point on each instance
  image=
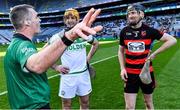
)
(88, 16)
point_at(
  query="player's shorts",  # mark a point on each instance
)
(134, 82)
(72, 85)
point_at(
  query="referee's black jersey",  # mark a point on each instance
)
(137, 43)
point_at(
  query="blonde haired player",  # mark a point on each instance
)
(75, 79)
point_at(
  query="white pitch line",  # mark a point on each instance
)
(50, 77)
(103, 59)
(2, 93)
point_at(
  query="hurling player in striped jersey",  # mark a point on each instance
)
(134, 46)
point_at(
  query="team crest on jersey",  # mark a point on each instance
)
(143, 33)
(136, 46)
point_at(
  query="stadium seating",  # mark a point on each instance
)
(51, 16)
(65, 4)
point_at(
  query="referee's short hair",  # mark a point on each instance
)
(18, 14)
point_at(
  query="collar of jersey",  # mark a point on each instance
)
(21, 36)
(136, 29)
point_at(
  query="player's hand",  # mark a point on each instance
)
(83, 28)
(62, 69)
(124, 75)
(151, 57)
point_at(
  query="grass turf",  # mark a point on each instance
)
(108, 88)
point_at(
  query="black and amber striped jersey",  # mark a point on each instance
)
(137, 45)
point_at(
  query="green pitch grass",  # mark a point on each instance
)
(108, 87)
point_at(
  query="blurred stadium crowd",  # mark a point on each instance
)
(160, 15)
